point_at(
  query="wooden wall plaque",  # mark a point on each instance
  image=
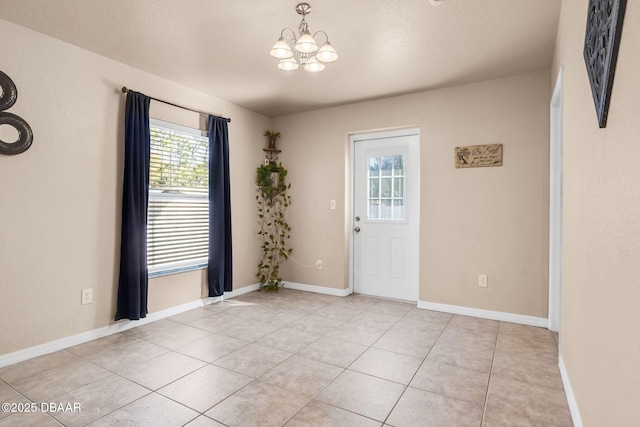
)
(478, 156)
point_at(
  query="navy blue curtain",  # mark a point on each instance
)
(219, 274)
(132, 283)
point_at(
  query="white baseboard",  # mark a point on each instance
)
(232, 294)
(486, 314)
(568, 391)
(317, 289)
(123, 325)
(241, 291)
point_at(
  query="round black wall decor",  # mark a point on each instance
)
(9, 97)
(9, 92)
(25, 134)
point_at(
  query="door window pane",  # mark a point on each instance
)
(398, 208)
(385, 209)
(374, 211)
(374, 187)
(398, 165)
(386, 187)
(397, 188)
(386, 165)
(374, 166)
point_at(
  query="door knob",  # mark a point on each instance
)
(357, 229)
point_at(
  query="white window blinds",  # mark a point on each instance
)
(178, 220)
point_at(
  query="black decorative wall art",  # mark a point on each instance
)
(8, 97)
(601, 42)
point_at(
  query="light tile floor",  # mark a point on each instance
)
(300, 359)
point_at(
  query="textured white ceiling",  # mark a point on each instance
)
(386, 47)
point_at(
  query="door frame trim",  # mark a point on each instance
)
(555, 204)
(359, 136)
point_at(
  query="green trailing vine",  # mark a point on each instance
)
(273, 202)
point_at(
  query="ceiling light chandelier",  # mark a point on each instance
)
(310, 56)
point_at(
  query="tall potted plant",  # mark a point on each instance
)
(273, 201)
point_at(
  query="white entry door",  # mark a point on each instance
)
(385, 223)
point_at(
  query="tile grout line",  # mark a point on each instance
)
(119, 407)
(486, 396)
(343, 370)
(326, 385)
(258, 378)
(120, 376)
(416, 372)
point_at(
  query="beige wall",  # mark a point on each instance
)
(600, 337)
(60, 200)
(488, 220)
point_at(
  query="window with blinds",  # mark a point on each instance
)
(178, 219)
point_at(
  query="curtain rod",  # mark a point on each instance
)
(125, 90)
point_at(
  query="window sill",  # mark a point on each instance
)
(177, 270)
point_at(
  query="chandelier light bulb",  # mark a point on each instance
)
(289, 64)
(327, 53)
(306, 43)
(281, 49)
(313, 65)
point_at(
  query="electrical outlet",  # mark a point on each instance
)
(87, 296)
(319, 264)
(332, 204)
(483, 280)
